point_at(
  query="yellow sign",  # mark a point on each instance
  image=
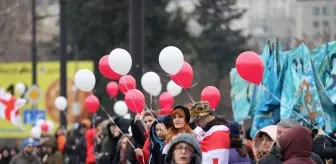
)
(48, 83)
(33, 94)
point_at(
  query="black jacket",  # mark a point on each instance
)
(323, 147)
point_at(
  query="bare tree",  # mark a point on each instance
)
(16, 25)
(14, 19)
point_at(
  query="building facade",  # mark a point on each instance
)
(316, 21)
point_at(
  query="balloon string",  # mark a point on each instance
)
(151, 101)
(188, 94)
(298, 114)
(111, 119)
(145, 107)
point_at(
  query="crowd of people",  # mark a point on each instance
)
(189, 135)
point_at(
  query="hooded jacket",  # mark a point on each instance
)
(296, 146)
(192, 141)
(271, 131)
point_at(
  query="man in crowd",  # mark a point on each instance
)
(26, 156)
(274, 156)
(213, 129)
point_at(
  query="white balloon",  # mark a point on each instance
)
(127, 116)
(85, 80)
(120, 108)
(120, 61)
(158, 91)
(150, 82)
(171, 60)
(173, 88)
(61, 103)
(20, 88)
(36, 132)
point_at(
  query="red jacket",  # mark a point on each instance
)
(89, 137)
(145, 151)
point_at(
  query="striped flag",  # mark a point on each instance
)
(215, 145)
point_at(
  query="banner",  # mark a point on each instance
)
(48, 74)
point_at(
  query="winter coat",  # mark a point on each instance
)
(23, 158)
(141, 139)
(109, 144)
(56, 158)
(75, 148)
(323, 147)
(296, 146)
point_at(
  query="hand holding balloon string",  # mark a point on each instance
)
(111, 119)
(122, 80)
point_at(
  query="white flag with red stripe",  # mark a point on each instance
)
(215, 145)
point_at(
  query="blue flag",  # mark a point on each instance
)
(266, 110)
(241, 93)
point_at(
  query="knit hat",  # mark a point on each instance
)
(167, 120)
(185, 110)
(28, 142)
(189, 139)
(234, 129)
(200, 109)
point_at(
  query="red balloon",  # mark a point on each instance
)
(92, 103)
(184, 77)
(135, 100)
(250, 67)
(212, 95)
(127, 83)
(44, 127)
(166, 111)
(106, 70)
(112, 89)
(166, 100)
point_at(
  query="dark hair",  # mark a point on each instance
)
(98, 121)
(247, 134)
(150, 113)
(237, 143)
(314, 132)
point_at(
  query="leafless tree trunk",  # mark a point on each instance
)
(14, 18)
